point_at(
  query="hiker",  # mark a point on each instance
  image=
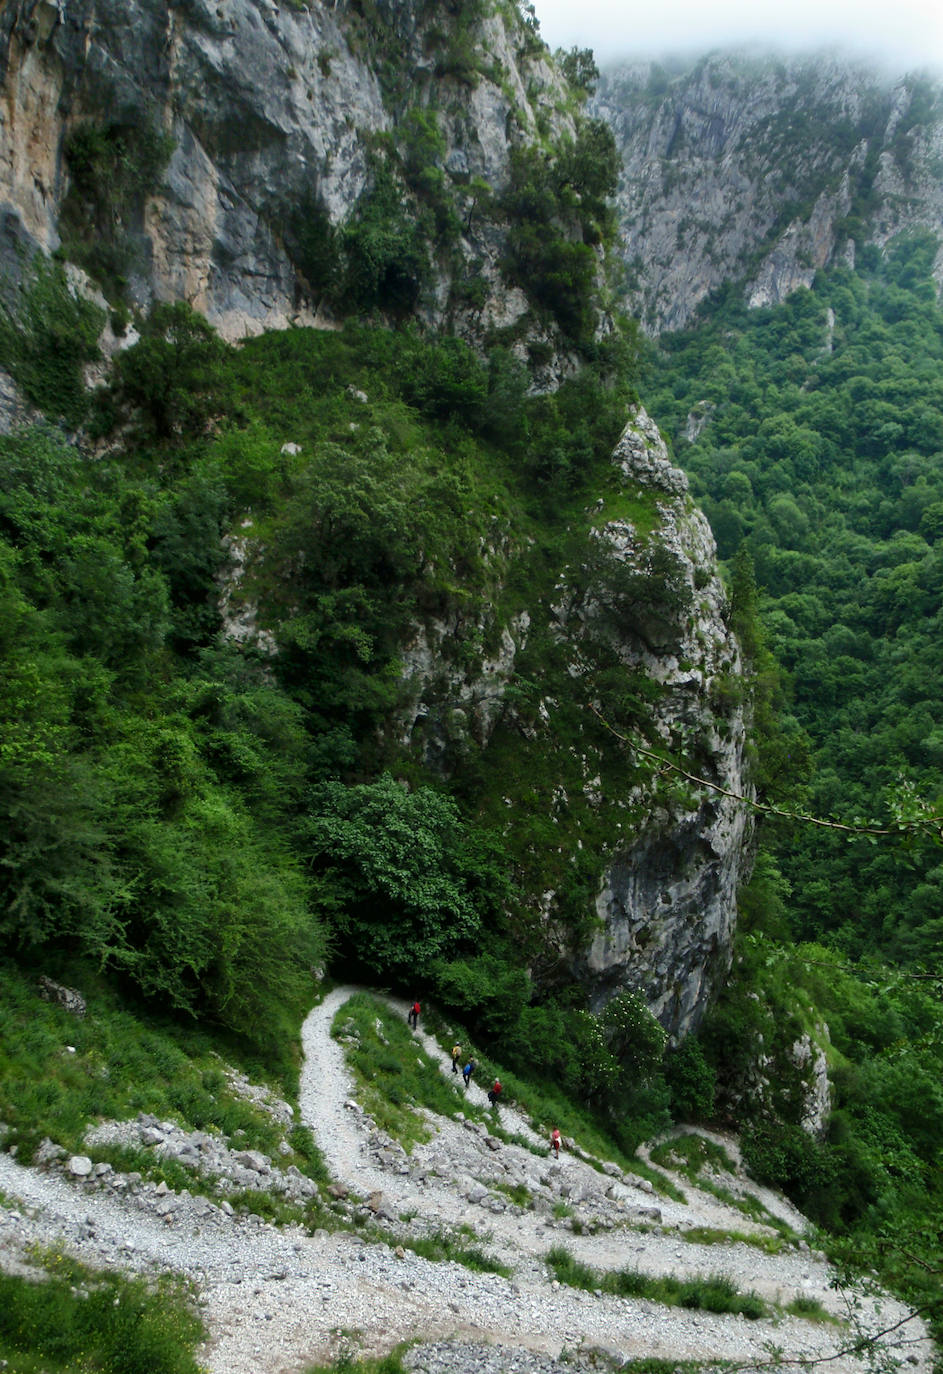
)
(467, 1072)
(413, 1016)
(456, 1056)
(494, 1093)
(555, 1142)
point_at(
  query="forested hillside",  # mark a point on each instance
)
(813, 432)
(195, 810)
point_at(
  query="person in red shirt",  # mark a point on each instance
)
(413, 1015)
(494, 1093)
(555, 1142)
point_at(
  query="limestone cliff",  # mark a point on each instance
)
(274, 116)
(667, 901)
(760, 172)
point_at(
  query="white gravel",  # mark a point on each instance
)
(276, 1300)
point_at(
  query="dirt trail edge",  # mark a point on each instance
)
(278, 1299)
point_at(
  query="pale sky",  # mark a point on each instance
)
(901, 34)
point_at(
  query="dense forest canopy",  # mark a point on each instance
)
(814, 435)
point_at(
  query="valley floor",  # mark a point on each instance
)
(278, 1299)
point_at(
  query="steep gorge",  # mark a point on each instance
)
(228, 156)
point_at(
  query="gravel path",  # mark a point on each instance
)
(278, 1299)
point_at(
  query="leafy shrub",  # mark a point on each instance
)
(387, 262)
(445, 381)
(486, 991)
(691, 1081)
(788, 1158)
(171, 378)
(380, 846)
(315, 246)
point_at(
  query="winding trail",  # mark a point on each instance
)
(278, 1299)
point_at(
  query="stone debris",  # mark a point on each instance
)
(285, 1297)
(66, 997)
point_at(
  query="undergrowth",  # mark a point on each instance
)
(714, 1293)
(70, 1318)
(59, 1074)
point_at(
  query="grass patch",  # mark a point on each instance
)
(638, 506)
(71, 1318)
(59, 1074)
(348, 1364)
(714, 1235)
(454, 1246)
(714, 1293)
(395, 1074)
(751, 1207)
(811, 1309)
(664, 1187)
(652, 1365)
(519, 1193)
(691, 1155)
(545, 1107)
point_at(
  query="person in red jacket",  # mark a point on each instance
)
(494, 1093)
(555, 1142)
(413, 1015)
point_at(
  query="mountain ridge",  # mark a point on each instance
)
(757, 171)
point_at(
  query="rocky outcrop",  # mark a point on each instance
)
(14, 409)
(467, 701)
(69, 998)
(667, 900)
(648, 591)
(754, 171)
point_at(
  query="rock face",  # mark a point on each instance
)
(647, 591)
(268, 107)
(761, 172)
(667, 903)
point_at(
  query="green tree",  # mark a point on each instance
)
(401, 879)
(171, 379)
(579, 67)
